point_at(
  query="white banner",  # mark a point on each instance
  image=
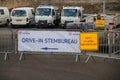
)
(48, 41)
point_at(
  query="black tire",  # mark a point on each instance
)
(39, 26)
(29, 25)
(13, 26)
(7, 23)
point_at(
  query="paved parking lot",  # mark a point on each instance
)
(57, 67)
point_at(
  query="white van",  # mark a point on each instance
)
(71, 14)
(47, 16)
(22, 16)
(4, 16)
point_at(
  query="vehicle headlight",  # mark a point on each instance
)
(50, 20)
(62, 20)
(76, 19)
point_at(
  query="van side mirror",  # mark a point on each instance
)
(0, 14)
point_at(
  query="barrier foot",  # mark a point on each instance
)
(89, 58)
(93, 58)
(113, 59)
(77, 58)
(6, 56)
(105, 59)
(21, 56)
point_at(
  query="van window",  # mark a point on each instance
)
(69, 12)
(19, 13)
(43, 11)
(2, 11)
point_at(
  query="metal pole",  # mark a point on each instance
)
(104, 6)
(110, 43)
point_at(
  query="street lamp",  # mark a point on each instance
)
(104, 5)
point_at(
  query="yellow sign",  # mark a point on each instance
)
(89, 41)
(100, 23)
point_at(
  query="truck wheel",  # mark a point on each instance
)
(13, 26)
(29, 25)
(38, 26)
(7, 23)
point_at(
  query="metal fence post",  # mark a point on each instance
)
(15, 40)
(110, 43)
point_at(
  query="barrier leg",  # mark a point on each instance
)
(87, 59)
(77, 58)
(15, 46)
(93, 58)
(6, 56)
(105, 59)
(21, 55)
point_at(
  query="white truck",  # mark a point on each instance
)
(4, 16)
(71, 14)
(22, 16)
(47, 16)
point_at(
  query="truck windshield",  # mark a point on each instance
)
(69, 12)
(1, 12)
(43, 11)
(19, 13)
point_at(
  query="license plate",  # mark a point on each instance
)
(18, 20)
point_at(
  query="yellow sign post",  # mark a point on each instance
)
(89, 41)
(100, 24)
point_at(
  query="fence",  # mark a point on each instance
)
(108, 45)
(6, 42)
(15, 41)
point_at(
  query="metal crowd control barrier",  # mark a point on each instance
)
(108, 46)
(45, 49)
(6, 42)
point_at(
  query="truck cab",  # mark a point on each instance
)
(47, 16)
(71, 14)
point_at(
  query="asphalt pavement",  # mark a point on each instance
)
(57, 67)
